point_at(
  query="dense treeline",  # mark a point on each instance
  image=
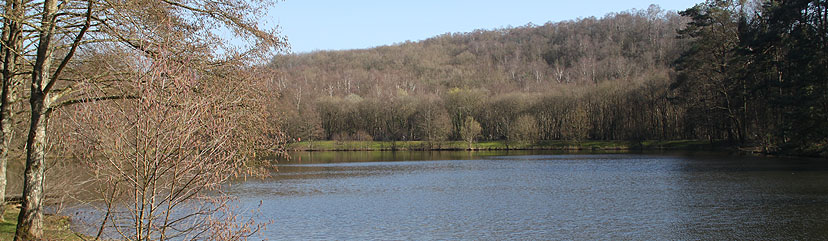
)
(758, 73)
(637, 75)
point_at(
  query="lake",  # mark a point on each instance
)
(540, 195)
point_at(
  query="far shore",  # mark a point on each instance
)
(501, 145)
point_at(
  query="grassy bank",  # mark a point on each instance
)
(496, 145)
(54, 227)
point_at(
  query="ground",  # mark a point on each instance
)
(54, 227)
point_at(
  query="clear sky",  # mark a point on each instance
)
(354, 24)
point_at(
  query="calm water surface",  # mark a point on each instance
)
(536, 195)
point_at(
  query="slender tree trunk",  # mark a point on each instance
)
(30, 221)
(6, 127)
(11, 47)
(4, 153)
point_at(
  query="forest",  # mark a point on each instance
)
(746, 74)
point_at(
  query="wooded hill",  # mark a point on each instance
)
(633, 75)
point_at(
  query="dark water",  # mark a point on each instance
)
(523, 195)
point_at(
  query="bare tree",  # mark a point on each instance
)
(433, 121)
(525, 129)
(163, 157)
(63, 28)
(470, 130)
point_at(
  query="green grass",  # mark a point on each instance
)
(496, 145)
(54, 227)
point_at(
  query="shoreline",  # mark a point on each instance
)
(316, 146)
(555, 145)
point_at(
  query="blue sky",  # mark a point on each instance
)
(334, 25)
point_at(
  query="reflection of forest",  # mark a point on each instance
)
(766, 197)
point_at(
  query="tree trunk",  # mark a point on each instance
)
(5, 141)
(30, 221)
(12, 46)
(6, 126)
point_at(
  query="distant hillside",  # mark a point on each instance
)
(748, 74)
(381, 93)
(619, 46)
